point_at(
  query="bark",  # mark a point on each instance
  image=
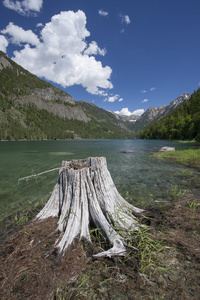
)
(85, 192)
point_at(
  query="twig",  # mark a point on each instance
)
(35, 175)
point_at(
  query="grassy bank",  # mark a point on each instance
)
(189, 157)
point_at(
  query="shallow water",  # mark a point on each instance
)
(140, 178)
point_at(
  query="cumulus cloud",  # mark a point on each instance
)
(103, 13)
(138, 112)
(143, 91)
(93, 49)
(145, 100)
(24, 7)
(63, 55)
(3, 43)
(19, 35)
(125, 112)
(113, 98)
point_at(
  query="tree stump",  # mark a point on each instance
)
(84, 193)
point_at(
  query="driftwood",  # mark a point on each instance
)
(85, 193)
(36, 175)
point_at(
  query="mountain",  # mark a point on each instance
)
(182, 122)
(31, 108)
(153, 114)
(131, 118)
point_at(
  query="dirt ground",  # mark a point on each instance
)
(30, 268)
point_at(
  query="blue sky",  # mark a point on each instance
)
(123, 56)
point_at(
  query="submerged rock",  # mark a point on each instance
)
(166, 149)
(128, 151)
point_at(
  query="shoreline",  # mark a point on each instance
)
(165, 267)
(188, 157)
(27, 271)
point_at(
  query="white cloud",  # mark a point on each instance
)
(39, 25)
(121, 99)
(93, 49)
(102, 93)
(125, 19)
(63, 55)
(138, 112)
(3, 43)
(103, 13)
(125, 112)
(143, 91)
(145, 100)
(199, 83)
(24, 7)
(152, 89)
(19, 35)
(113, 98)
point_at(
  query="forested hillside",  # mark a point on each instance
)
(31, 108)
(182, 123)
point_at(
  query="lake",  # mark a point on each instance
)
(139, 177)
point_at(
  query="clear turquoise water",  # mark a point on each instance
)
(140, 178)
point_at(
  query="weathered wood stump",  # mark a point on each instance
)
(85, 192)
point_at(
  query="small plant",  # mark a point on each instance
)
(100, 240)
(21, 219)
(193, 206)
(187, 173)
(83, 285)
(148, 249)
(176, 192)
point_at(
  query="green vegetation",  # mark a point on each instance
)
(15, 81)
(20, 120)
(31, 123)
(189, 157)
(103, 274)
(182, 123)
(21, 219)
(148, 248)
(176, 192)
(193, 206)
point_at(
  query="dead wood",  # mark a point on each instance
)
(85, 192)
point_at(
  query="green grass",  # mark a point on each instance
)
(101, 276)
(189, 142)
(193, 206)
(189, 157)
(176, 192)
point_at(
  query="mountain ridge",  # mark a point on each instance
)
(182, 123)
(31, 108)
(155, 113)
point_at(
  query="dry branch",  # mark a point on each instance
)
(36, 175)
